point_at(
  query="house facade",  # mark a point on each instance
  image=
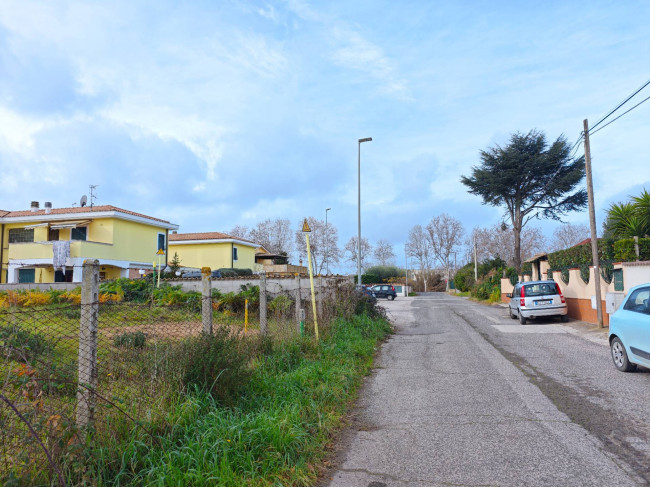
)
(212, 249)
(49, 245)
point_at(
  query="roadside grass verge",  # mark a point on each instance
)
(275, 434)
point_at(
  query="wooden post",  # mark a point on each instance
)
(87, 361)
(263, 321)
(206, 299)
(298, 302)
(320, 296)
(592, 224)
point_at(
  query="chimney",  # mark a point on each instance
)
(34, 206)
(48, 207)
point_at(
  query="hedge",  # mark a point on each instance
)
(624, 250)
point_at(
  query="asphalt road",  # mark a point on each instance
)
(462, 395)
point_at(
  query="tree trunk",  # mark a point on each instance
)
(517, 233)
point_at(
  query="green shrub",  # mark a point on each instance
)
(370, 279)
(132, 290)
(216, 364)
(130, 340)
(464, 278)
(624, 250)
(384, 273)
(280, 305)
(21, 344)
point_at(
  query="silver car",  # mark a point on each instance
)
(536, 299)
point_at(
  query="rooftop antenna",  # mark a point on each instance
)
(93, 196)
(83, 201)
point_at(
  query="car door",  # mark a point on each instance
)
(377, 291)
(514, 298)
(636, 322)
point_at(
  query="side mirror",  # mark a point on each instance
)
(508, 295)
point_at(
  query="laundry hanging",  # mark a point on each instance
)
(61, 253)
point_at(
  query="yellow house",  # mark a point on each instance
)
(212, 249)
(49, 245)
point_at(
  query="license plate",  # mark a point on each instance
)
(546, 301)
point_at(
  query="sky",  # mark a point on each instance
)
(212, 114)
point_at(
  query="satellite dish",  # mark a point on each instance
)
(83, 201)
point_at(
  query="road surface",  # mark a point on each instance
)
(464, 396)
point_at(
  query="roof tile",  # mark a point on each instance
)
(78, 209)
(205, 236)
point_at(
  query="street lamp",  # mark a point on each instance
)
(327, 265)
(367, 139)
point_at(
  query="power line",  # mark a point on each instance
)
(619, 106)
(614, 120)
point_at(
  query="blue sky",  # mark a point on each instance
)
(213, 114)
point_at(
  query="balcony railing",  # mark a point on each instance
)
(43, 250)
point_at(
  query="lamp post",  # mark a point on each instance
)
(327, 247)
(367, 139)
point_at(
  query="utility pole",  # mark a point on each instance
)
(475, 262)
(406, 283)
(592, 224)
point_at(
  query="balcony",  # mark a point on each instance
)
(43, 250)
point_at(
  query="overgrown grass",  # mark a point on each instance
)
(276, 432)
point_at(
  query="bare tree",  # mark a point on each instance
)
(275, 236)
(568, 235)
(384, 254)
(419, 248)
(350, 250)
(241, 231)
(445, 234)
(498, 241)
(322, 241)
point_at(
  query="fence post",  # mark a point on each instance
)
(87, 361)
(263, 327)
(206, 299)
(298, 303)
(320, 296)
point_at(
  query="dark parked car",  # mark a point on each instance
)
(195, 274)
(384, 291)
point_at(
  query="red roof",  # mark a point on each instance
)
(205, 236)
(585, 241)
(78, 209)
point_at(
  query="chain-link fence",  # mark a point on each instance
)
(85, 370)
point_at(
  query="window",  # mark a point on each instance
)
(234, 253)
(161, 241)
(27, 275)
(52, 235)
(59, 276)
(79, 233)
(21, 235)
(639, 301)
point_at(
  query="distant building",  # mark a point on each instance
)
(50, 244)
(212, 249)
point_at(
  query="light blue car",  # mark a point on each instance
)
(629, 330)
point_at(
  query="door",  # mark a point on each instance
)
(637, 325)
(27, 275)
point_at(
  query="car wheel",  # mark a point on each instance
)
(564, 318)
(391, 297)
(619, 356)
(512, 315)
(522, 320)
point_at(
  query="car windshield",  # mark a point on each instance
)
(540, 290)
